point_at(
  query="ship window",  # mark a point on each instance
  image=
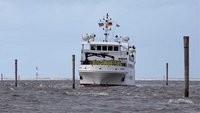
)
(93, 47)
(104, 48)
(98, 47)
(116, 48)
(110, 48)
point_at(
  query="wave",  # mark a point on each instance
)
(180, 101)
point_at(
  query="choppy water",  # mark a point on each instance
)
(59, 97)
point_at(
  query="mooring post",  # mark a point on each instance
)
(186, 62)
(16, 72)
(73, 71)
(166, 74)
(1, 76)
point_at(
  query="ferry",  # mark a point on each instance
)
(107, 62)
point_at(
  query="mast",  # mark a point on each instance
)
(107, 24)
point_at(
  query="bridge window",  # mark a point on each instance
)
(98, 47)
(104, 48)
(110, 48)
(93, 47)
(116, 48)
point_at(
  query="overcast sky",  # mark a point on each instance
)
(45, 33)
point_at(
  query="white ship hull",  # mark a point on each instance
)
(92, 75)
(102, 78)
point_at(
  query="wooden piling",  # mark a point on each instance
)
(73, 71)
(1, 77)
(166, 74)
(16, 72)
(186, 65)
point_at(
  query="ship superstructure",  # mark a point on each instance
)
(107, 62)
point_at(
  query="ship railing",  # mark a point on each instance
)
(104, 62)
(100, 51)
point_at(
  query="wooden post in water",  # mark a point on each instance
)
(166, 74)
(73, 71)
(186, 67)
(16, 72)
(1, 76)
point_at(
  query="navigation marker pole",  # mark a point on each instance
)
(15, 72)
(73, 71)
(166, 74)
(186, 67)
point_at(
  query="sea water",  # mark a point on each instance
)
(59, 97)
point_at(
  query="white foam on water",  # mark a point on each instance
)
(154, 94)
(140, 85)
(128, 94)
(96, 94)
(41, 91)
(86, 94)
(40, 85)
(70, 93)
(12, 89)
(180, 101)
(60, 86)
(101, 94)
